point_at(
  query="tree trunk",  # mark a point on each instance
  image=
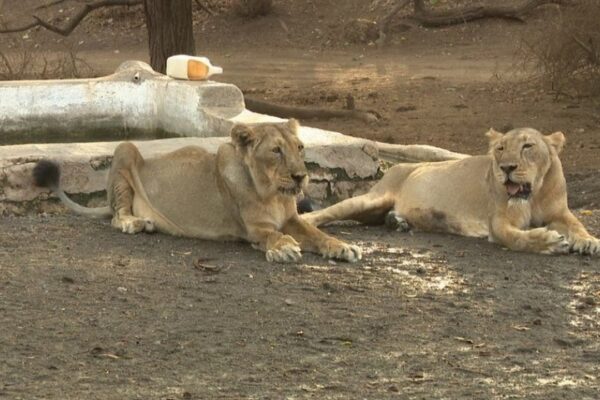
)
(170, 30)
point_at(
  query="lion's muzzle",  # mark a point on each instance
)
(294, 185)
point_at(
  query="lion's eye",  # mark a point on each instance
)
(527, 145)
(500, 148)
(276, 150)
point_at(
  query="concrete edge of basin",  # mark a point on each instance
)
(340, 166)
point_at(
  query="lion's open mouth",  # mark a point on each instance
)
(517, 190)
(290, 191)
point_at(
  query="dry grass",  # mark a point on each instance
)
(253, 8)
(565, 55)
(24, 61)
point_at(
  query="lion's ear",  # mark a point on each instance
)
(294, 125)
(556, 140)
(242, 135)
(493, 135)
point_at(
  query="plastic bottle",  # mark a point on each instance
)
(192, 68)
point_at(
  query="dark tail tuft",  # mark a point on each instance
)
(306, 205)
(46, 174)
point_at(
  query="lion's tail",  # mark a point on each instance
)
(47, 174)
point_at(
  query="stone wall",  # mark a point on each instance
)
(339, 167)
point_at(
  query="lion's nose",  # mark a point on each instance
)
(508, 168)
(298, 178)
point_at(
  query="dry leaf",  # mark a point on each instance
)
(521, 328)
(462, 339)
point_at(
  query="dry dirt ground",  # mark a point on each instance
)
(88, 312)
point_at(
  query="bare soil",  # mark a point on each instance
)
(89, 312)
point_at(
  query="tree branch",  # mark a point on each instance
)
(435, 20)
(592, 55)
(204, 7)
(385, 21)
(421, 15)
(19, 29)
(384, 24)
(76, 20)
(50, 4)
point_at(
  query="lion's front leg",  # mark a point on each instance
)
(538, 240)
(277, 246)
(580, 241)
(314, 240)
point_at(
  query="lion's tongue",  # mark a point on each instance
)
(512, 188)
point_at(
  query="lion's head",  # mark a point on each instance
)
(274, 155)
(522, 158)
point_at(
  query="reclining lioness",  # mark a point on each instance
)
(516, 195)
(246, 191)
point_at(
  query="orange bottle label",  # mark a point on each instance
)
(196, 70)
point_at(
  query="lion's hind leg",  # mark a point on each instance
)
(121, 190)
(369, 208)
(132, 224)
(395, 222)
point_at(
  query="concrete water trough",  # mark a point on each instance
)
(79, 122)
(134, 102)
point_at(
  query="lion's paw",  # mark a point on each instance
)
(549, 241)
(585, 245)
(133, 225)
(337, 249)
(149, 225)
(285, 250)
(395, 222)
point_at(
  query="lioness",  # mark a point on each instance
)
(246, 191)
(515, 195)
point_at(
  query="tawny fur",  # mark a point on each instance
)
(470, 197)
(246, 191)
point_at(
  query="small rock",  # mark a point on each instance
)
(361, 31)
(589, 300)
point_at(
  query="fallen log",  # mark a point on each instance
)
(302, 113)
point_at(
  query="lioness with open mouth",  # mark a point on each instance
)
(246, 191)
(515, 195)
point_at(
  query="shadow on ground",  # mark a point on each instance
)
(87, 311)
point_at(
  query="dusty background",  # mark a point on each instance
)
(88, 312)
